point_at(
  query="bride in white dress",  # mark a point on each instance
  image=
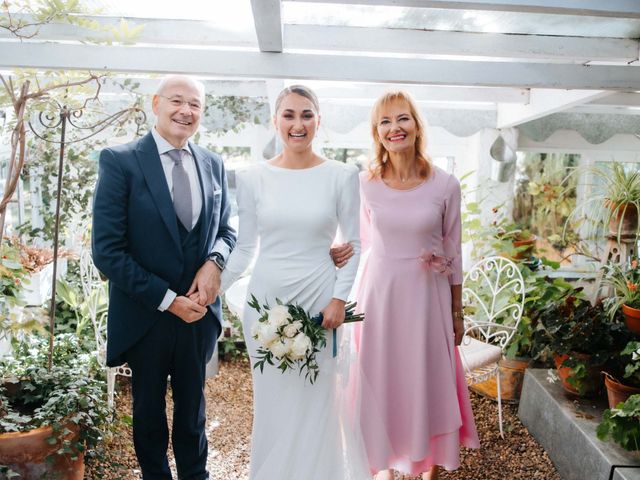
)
(292, 206)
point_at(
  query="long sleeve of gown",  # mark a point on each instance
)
(349, 224)
(452, 229)
(365, 219)
(245, 248)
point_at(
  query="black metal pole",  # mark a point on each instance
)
(52, 310)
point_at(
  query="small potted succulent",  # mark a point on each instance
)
(625, 282)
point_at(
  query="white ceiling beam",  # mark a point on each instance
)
(387, 40)
(421, 93)
(544, 102)
(268, 21)
(597, 8)
(240, 64)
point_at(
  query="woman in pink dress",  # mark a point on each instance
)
(415, 410)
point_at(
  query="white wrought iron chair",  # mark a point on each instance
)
(493, 296)
(95, 290)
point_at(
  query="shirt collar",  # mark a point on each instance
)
(163, 145)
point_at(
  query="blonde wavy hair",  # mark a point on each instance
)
(378, 163)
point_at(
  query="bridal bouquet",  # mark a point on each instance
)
(289, 337)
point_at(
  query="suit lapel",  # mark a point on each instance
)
(151, 166)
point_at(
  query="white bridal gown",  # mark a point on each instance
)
(300, 431)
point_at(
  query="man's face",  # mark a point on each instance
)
(178, 108)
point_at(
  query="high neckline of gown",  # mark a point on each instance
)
(421, 184)
(275, 167)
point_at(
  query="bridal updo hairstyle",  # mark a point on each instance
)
(301, 90)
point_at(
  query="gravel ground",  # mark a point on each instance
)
(517, 457)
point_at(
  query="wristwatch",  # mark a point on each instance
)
(218, 259)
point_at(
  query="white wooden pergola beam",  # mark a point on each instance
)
(155, 31)
(544, 102)
(268, 21)
(395, 40)
(241, 64)
(597, 8)
(421, 93)
(359, 39)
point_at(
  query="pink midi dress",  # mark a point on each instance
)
(414, 403)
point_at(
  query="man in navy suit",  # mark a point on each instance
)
(161, 236)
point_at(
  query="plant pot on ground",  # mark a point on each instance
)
(511, 375)
(65, 406)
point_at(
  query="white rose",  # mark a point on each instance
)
(265, 333)
(292, 329)
(279, 315)
(301, 345)
(279, 349)
(288, 343)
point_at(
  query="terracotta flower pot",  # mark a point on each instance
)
(26, 453)
(628, 217)
(529, 243)
(593, 382)
(511, 379)
(617, 392)
(631, 318)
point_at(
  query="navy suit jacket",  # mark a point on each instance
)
(135, 238)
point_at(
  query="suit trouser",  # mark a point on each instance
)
(180, 350)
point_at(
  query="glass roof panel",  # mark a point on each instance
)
(458, 20)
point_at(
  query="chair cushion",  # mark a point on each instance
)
(477, 354)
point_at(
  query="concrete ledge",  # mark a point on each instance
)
(566, 428)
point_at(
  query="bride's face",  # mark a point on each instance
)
(296, 122)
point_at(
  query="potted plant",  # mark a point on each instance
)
(626, 286)
(627, 369)
(38, 262)
(622, 424)
(580, 338)
(50, 418)
(615, 205)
